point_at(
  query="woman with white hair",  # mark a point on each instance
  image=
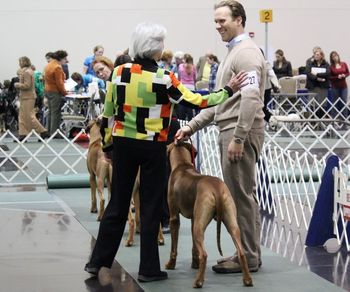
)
(140, 100)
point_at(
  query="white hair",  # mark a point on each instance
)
(147, 40)
(179, 54)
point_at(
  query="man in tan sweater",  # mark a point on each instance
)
(241, 126)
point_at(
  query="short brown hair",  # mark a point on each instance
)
(166, 55)
(236, 8)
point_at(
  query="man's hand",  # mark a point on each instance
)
(183, 134)
(235, 151)
(237, 81)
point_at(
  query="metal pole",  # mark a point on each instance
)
(266, 41)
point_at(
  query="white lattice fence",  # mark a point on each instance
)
(290, 168)
(30, 161)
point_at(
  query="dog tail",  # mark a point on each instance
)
(219, 210)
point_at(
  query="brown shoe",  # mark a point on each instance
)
(232, 267)
(228, 259)
(233, 258)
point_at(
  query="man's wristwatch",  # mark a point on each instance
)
(238, 140)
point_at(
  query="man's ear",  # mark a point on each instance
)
(238, 19)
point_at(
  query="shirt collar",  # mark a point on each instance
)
(237, 40)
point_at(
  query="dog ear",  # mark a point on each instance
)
(89, 125)
(169, 148)
(98, 121)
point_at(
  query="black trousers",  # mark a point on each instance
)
(128, 156)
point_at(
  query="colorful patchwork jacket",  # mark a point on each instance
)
(140, 99)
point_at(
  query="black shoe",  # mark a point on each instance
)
(150, 278)
(20, 139)
(91, 269)
(45, 135)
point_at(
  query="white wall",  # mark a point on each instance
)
(33, 28)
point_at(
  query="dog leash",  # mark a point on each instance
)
(193, 154)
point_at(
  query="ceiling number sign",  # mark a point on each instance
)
(266, 15)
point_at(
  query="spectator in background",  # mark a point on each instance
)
(187, 75)
(281, 66)
(188, 72)
(84, 80)
(122, 59)
(88, 69)
(271, 83)
(311, 59)
(39, 90)
(203, 71)
(339, 71)
(179, 59)
(103, 67)
(166, 61)
(54, 89)
(48, 57)
(317, 81)
(214, 65)
(27, 120)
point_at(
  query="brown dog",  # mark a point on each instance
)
(135, 223)
(99, 168)
(200, 198)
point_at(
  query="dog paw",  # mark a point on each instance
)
(170, 265)
(93, 210)
(129, 243)
(161, 242)
(198, 284)
(248, 282)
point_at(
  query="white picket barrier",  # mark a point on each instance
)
(288, 173)
(341, 208)
(30, 162)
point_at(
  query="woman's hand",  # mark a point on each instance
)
(238, 81)
(183, 134)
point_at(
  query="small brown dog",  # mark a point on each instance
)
(99, 168)
(135, 223)
(200, 198)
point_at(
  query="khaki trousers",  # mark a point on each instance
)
(27, 120)
(241, 181)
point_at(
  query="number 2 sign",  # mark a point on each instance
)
(265, 15)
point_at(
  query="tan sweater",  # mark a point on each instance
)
(26, 83)
(243, 111)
